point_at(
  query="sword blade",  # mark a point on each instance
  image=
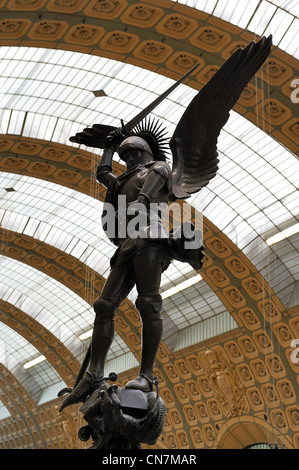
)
(133, 122)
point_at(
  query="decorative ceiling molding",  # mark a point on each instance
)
(72, 273)
(52, 162)
(254, 350)
(62, 360)
(165, 37)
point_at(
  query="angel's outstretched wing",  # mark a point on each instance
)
(94, 136)
(194, 142)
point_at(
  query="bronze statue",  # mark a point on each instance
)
(149, 179)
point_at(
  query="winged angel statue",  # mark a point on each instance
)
(149, 179)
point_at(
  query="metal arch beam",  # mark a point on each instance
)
(229, 273)
(71, 272)
(121, 34)
(173, 382)
(62, 360)
(245, 285)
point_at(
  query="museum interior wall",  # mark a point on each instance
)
(226, 366)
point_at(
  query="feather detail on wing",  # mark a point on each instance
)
(94, 136)
(194, 142)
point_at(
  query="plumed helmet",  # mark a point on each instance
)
(134, 142)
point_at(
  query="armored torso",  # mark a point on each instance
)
(133, 183)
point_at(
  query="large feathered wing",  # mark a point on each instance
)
(194, 142)
(94, 136)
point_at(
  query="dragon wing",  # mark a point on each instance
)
(194, 142)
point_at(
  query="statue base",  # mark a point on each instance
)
(122, 418)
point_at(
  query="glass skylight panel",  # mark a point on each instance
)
(21, 354)
(21, 351)
(120, 90)
(206, 196)
(208, 6)
(136, 76)
(8, 66)
(192, 305)
(8, 220)
(45, 293)
(258, 16)
(293, 8)
(242, 12)
(288, 5)
(226, 10)
(183, 95)
(16, 122)
(248, 153)
(278, 25)
(289, 42)
(47, 210)
(291, 202)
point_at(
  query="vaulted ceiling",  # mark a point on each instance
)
(68, 64)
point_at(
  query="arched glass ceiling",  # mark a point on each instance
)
(59, 310)
(254, 199)
(255, 186)
(64, 218)
(52, 304)
(262, 17)
(48, 94)
(14, 358)
(58, 216)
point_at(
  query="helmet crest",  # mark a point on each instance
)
(155, 135)
(149, 136)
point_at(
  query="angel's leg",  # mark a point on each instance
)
(148, 266)
(119, 283)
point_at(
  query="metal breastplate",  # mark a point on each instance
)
(132, 187)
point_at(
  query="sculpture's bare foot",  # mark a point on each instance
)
(142, 382)
(85, 387)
